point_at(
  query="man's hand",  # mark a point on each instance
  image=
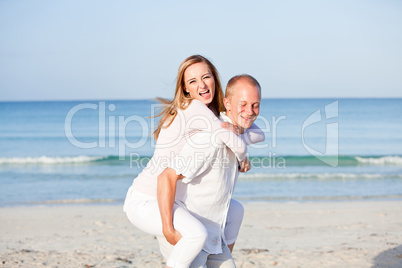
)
(244, 165)
(172, 236)
(231, 127)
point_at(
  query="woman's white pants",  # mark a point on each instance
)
(143, 212)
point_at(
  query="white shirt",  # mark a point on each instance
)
(210, 169)
(197, 116)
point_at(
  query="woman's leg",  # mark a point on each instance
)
(233, 222)
(190, 245)
(143, 212)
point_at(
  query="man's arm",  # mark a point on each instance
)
(166, 191)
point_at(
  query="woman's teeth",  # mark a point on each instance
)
(206, 91)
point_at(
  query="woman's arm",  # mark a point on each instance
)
(200, 117)
(166, 191)
(253, 135)
(250, 136)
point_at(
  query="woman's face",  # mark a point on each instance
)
(199, 82)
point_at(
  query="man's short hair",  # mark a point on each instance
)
(233, 81)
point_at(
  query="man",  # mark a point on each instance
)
(202, 178)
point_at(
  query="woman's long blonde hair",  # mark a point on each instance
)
(182, 99)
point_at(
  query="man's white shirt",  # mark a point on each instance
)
(210, 169)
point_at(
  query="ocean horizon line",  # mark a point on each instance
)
(154, 99)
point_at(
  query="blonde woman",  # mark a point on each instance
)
(197, 102)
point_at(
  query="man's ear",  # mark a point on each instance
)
(227, 104)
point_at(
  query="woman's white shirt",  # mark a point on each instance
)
(195, 118)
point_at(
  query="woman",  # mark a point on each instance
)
(198, 95)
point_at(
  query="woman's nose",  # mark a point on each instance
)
(202, 84)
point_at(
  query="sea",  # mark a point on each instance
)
(89, 152)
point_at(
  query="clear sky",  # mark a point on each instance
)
(92, 49)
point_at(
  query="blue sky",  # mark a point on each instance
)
(79, 50)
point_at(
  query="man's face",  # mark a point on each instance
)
(243, 106)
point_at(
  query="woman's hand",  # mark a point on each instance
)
(172, 236)
(231, 127)
(244, 165)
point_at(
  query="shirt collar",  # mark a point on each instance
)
(225, 118)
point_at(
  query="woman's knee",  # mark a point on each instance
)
(201, 232)
(188, 226)
(196, 232)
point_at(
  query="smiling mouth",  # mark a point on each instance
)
(248, 118)
(204, 92)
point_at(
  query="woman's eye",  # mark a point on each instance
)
(192, 81)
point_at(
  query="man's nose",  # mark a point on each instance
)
(249, 110)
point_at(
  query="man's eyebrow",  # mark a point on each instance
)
(244, 101)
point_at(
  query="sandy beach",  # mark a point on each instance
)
(316, 234)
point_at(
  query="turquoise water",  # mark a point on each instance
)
(90, 151)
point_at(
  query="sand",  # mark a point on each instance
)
(317, 234)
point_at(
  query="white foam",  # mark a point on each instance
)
(46, 160)
(314, 176)
(381, 161)
(76, 201)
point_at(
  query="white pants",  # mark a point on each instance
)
(143, 211)
(203, 259)
(206, 260)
